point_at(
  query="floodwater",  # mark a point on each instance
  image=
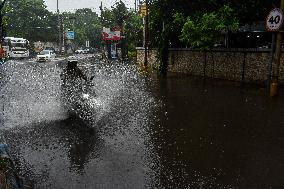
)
(143, 132)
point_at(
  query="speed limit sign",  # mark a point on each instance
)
(274, 20)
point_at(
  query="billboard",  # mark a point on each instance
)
(109, 35)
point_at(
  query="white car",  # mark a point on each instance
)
(72, 59)
(45, 55)
(82, 51)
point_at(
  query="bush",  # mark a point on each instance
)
(132, 52)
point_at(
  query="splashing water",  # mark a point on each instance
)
(120, 110)
(31, 94)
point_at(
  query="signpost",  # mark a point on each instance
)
(144, 13)
(70, 35)
(274, 22)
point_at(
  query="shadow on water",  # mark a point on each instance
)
(42, 145)
(83, 140)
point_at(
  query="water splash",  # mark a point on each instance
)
(30, 94)
(120, 110)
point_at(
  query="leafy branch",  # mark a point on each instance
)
(204, 31)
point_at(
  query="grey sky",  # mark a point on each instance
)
(71, 5)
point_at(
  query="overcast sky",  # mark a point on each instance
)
(71, 5)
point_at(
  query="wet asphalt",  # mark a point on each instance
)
(145, 132)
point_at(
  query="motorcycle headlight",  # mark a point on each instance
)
(86, 96)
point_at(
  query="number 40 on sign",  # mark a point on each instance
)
(274, 20)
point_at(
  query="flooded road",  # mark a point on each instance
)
(148, 132)
(214, 134)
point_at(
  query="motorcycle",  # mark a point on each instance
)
(81, 103)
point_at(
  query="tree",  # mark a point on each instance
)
(252, 11)
(107, 18)
(86, 25)
(120, 14)
(162, 29)
(129, 23)
(2, 24)
(164, 26)
(134, 29)
(204, 31)
(24, 17)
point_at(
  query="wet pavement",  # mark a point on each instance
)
(147, 132)
(215, 134)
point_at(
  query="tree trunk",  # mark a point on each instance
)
(164, 59)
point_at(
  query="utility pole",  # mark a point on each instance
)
(102, 46)
(146, 35)
(101, 8)
(59, 30)
(276, 58)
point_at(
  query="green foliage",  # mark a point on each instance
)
(120, 13)
(29, 19)
(202, 32)
(119, 16)
(132, 52)
(195, 22)
(242, 11)
(130, 23)
(108, 18)
(116, 16)
(86, 25)
(134, 29)
(252, 11)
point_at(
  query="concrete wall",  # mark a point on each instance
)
(238, 65)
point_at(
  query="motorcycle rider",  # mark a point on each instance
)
(72, 79)
(72, 71)
(73, 90)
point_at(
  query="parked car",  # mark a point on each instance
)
(45, 55)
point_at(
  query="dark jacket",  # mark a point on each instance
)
(72, 78)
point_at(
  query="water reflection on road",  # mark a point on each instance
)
(177, 132)
(216, 134)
